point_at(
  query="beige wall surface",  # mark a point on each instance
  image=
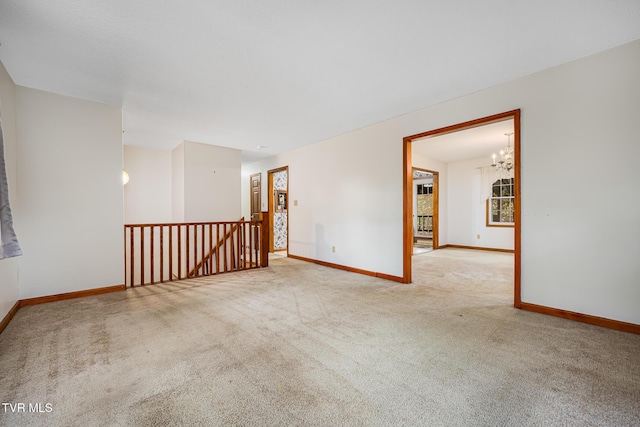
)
(177, 184)
(147, 196)
(70, 194)
(211, 183)
(576, 255)
(193, 182)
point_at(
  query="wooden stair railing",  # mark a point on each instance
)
(156, 253)
(215, 249)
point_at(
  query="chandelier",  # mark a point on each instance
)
(506, 160)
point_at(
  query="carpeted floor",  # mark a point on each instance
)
(302, 344)
(421, 246)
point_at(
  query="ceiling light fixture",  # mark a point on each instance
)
(506, 160)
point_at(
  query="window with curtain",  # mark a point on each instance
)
(8, 239)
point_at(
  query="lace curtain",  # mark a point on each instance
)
(9, 246)
(489, 176)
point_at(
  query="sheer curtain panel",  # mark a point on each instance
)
(9, 241)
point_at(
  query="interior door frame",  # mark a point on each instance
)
(436, 210)
(259, 175)
(271, 207)
(407, 179)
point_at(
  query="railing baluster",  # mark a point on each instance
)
(195, 250)
(244, 245)
(152, 258)
(141, 255)
(187, 246)
(255, 243)
(179, 252)
(264, 241)
(218, 251)
(132, 263)
(224, 231)
(209, 266)
(124, 237)
(161, 253)
(238, 245)
(249, 247)
(232, 251)
(171, 227)
(202, 253)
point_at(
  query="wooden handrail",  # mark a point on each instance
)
(214, 250)
(160, 252)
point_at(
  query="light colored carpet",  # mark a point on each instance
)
(418, 251)
(422, 246)
(302, 344)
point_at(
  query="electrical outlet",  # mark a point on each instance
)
(333, 248)
(477, 236)
(295, 203)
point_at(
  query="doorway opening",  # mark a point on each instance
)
(408, 190)
(425, 210)
(278, 184)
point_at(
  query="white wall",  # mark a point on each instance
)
(147, 196)
(349, 193)
(579, 251)
(9, 267)
(70, 197)
(177, 183)
(211, 183)
(467, 209)
(193, 182)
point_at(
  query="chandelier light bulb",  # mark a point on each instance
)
(505, 162)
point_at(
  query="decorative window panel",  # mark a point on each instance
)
(279, 218)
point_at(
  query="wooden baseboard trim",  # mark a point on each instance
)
(71, 295)
(478, 248)
(9, 316)
(58, 297)
(584, 318)
(390, 277)
(351, 269)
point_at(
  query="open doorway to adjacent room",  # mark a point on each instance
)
(278, 181)
(474, 182)
(425, 210)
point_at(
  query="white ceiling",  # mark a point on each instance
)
(283, 74)
(466, 144)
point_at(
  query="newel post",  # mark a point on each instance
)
(264, 239)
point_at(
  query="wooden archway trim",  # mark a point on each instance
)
(407, 180)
